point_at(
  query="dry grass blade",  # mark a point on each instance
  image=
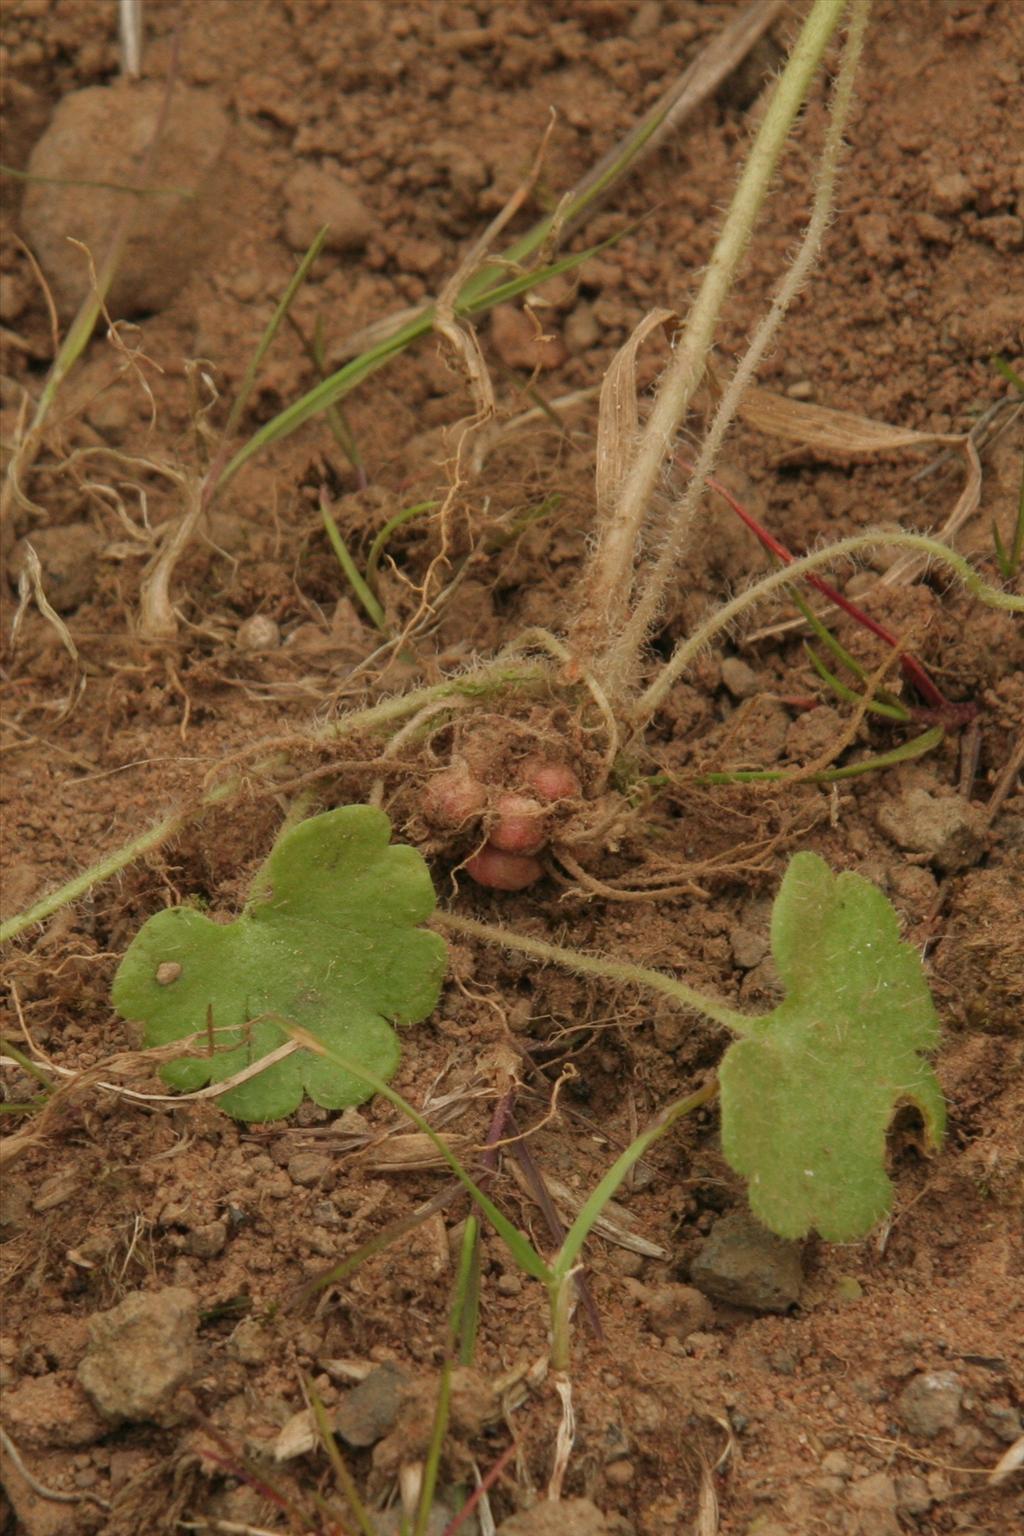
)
(706, 1523)
(613, 1224)
(30, 588)
(1010, 1461)
(827, 431)
(411, 1151)
(830, 431)
(619, 415)
(157, 618)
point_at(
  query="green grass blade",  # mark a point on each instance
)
(1009, 560)
(324, 394)
(873, 706)
(926, 742)
(342, 1475)
(374, 1245)
(380, 543)
(460, 1299)
(351, 570)
(273, 326)
(470, 1320)
(826, 636)
(511, 288)
(329, 391)
(605, 1190)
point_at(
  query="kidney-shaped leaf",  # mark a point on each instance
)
(808, 1095)
(328, 940)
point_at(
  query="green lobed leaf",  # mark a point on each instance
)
(328, 940)
(808, 1095)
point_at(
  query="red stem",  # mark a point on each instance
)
(911, 668)
(484, 1486)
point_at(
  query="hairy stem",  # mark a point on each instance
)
(627, 647)
(497, 675)
(688, 650)
(599, 965)
(608, 580)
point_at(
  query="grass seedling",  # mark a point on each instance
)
(350, 570)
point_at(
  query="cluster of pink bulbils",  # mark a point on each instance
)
(517, 823)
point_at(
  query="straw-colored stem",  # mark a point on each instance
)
(608, 582)
(627, 647)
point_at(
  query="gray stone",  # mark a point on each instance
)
(567, 1517)
(745, 1264)
(749, 945)
(930, 1402)
(370, 1411)
(140, 1353)
(950, 831)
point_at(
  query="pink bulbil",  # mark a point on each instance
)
(550, 781)
(501, 871)
(453, 797)
(519, 826)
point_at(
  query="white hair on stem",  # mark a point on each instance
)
(626, 647)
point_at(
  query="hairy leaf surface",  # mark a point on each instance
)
(809, 1093)
(328, 940)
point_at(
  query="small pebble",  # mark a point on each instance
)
(308, 1167)
(207, 1241)
(738, 678)
(259, 633)
(930, 1403)
(314, 198)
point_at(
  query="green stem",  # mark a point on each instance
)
(487, 679)
(599, 965)
(686, 653)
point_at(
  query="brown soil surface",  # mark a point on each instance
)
(416, 122)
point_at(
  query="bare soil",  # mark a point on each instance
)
(428, 116)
